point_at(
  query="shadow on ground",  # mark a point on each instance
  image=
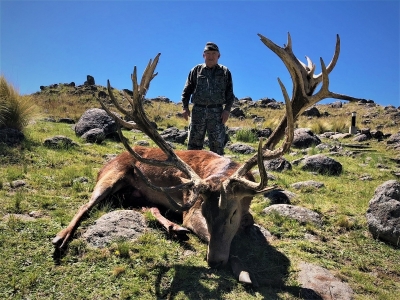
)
(267, 266)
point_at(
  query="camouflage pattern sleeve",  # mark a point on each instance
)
(189, 88)
(229, 96)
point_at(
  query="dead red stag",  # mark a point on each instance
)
(212, 192)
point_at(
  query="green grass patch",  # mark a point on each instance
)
(246, 135)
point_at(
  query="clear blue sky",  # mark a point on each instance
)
(46, 42)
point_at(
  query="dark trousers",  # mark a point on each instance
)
(207, 120)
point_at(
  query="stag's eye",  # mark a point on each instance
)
(234, 213)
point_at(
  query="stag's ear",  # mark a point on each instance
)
(239, 190)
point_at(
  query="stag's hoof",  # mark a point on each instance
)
(179, 232)
(57, 241)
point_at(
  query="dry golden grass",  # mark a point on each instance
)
(65, 104)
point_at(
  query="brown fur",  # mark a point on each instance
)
(119, 174)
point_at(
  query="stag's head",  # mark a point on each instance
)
(223, 209)
(223, 198)
(222, 224)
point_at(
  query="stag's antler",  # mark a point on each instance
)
(137, 113)
(304, 85)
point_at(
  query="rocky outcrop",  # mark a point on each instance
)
(11, 137)
(95, 118)
(89, 80)
(311, 112)
(301, 214)
(394, 140)
(95, 135)
(305, 138)
(278, 164)
(237, 112)
(114, 226)
(59, 142)
(322, 164)
(174, 135)
(279, 196)
(241, 148)
(383, 214)
(319, 283)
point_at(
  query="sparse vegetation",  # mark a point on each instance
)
(158, 267)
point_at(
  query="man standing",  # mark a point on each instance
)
(211, 90)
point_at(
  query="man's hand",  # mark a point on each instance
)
(186, 113)
(225, 116)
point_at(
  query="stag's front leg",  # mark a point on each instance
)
(106, 185)
(173, 229)
(64, 235)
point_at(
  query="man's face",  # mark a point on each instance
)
(211, 58)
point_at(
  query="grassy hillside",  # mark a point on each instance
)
(159, 267)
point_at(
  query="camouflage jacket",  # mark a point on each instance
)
(208, 86)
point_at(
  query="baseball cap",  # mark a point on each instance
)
(210, 46)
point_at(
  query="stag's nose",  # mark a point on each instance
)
(215, 264)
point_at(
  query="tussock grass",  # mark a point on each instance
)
(318, 126)
(340, 125)
(15, 111)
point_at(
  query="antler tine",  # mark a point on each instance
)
(334, 60)
(324, 91)
(139, 116)
(148, 75)
(128, 97)
(114, 100)
(289, 42)
(310, 66)
(135, 86)
(120, 108)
